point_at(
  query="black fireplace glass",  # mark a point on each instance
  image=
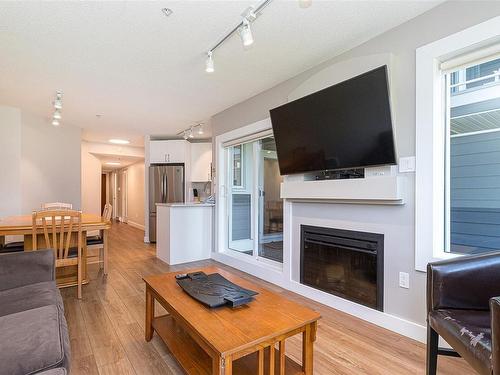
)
(347, 264)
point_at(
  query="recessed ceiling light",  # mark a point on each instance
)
(55, 122)
(57, 114)
(113, 163)
(167, 11)
(119, 141)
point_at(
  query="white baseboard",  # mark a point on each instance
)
(391, 322)
(135, 225)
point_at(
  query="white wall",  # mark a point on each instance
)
(39, 163)
(397, 223)
(10, 161)
(135, 194)
(50, 163)
(91, 181)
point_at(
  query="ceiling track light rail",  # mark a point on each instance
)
(189, 132)
(243, 29)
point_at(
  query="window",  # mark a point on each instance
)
(472, 208)
(255, 208)
(455, 85)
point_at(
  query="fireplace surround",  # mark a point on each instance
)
(345, 263)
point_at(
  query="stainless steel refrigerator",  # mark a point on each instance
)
(166, 185)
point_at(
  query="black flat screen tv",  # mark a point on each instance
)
(347, 125)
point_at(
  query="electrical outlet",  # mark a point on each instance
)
(404, 280)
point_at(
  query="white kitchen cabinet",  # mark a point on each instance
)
(172, 151)
(201, 162)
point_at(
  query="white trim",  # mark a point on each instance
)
(430, 172)
(136, 225)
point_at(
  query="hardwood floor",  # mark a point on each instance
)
(106, 327)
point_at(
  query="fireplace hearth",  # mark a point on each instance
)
(348, 264)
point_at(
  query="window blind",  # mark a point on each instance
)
(249, 138)
(469, 59)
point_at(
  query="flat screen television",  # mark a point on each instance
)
(347, 125)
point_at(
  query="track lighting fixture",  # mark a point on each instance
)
(209, 65)
(190, 132)
(58, 100)
(243, 29)
(57, 103)
(245, 32)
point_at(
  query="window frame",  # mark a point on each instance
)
(222, 252)
(430, 150)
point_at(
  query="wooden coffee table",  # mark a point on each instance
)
(230, 341)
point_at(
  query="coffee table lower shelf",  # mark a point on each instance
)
(194, 360)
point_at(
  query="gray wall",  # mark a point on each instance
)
(397, 223)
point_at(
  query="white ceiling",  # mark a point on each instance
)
(124, 161)
(144, 72)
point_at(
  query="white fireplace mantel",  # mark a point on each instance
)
(387, 190)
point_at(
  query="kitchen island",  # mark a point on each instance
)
(184, 232)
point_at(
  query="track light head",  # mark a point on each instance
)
(200, 129)
(58, 100)
(57, 114)
(55, 122)
(209, 64)
(245, 32)
(185, 135)
(190, 133)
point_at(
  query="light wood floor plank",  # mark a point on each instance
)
(107, 326)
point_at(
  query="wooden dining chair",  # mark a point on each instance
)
(99, 243)
(57, 206)
(58, 227)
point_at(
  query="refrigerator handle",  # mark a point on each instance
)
(163, 189)
(166, 187)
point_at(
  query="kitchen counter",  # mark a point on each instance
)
(187, 204)
(184, 232)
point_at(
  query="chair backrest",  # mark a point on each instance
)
(57, 206)
(106, 213)
(57, 227)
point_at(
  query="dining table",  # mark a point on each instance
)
(65, 276)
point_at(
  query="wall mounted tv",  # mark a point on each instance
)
(347, 125)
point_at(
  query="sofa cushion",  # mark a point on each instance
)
(29, 297)
(468, 332)
(33, 341)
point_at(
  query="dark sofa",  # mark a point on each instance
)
(33, 331)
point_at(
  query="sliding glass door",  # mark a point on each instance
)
(255, 209)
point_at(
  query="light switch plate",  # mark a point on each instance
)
(404, 280)
(407, 164)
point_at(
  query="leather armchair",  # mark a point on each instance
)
(463, 307)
